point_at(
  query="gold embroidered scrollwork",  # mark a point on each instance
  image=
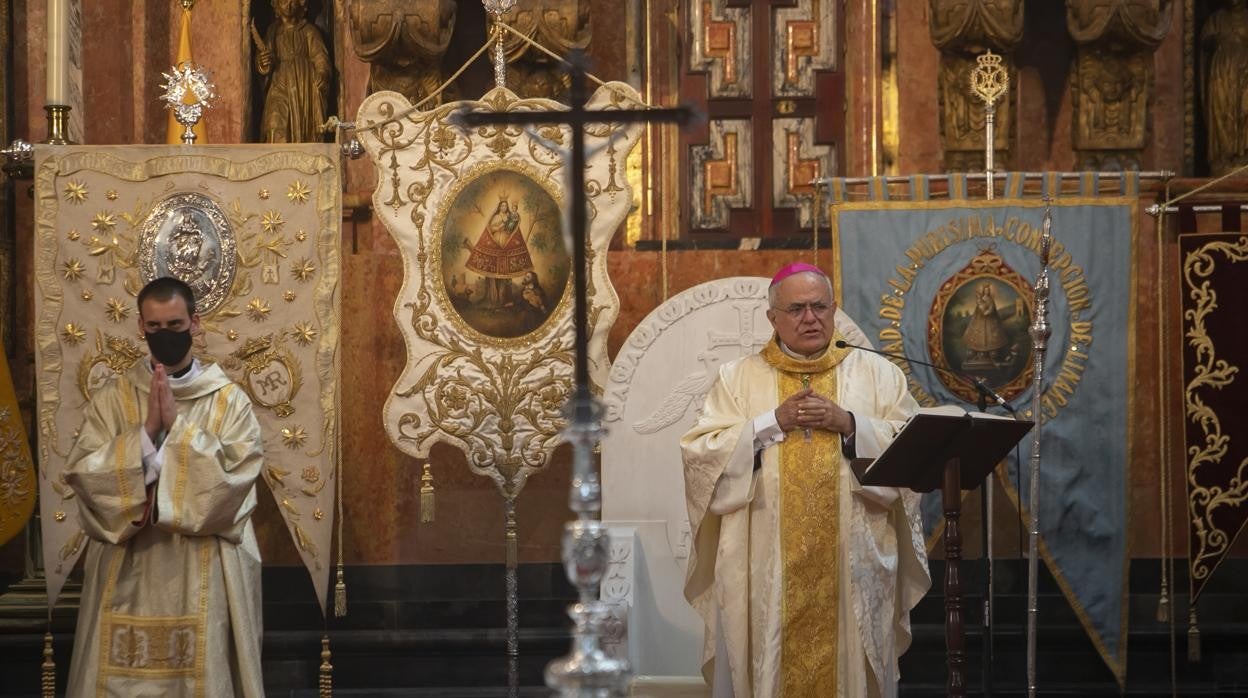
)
(1208, 373)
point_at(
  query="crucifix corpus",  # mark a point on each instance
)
(587, 669)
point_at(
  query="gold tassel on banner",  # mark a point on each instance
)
(327, 670)
(340, 594)
(426, 495)
(1163, 607)
(1193, 636)
(49, 668)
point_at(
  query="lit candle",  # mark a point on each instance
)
(58, 52)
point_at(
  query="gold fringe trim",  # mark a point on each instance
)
(340, 594)
(1193, 637)
(48, 679)
(426, 495)
(327, 670)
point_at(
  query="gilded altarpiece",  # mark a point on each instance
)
(561, 26)
(1112, 84)
(403, 42)
(962, 30)
(485, 307)
(254, 231)
(772, 85)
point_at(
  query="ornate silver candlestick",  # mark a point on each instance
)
(587, 670)
(179, 81)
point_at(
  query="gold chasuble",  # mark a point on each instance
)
(804, 578)
(809, 493)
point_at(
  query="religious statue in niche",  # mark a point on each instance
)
(558, 25)
(296, 64)
(403, 41)
(1113, 77)
(504, 265)
(1224, 86)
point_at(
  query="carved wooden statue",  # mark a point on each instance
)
(1113, 79)
(1224, 86)
(963, 29)
(294, 60)
(560, 26)
(404, 42)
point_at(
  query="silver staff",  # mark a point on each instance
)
(989, 80)
(1039, 340)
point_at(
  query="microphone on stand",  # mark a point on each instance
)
(982, 388)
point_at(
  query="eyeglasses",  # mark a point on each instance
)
(798, 310)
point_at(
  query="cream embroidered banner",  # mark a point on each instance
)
(254, 231)
(486, 307)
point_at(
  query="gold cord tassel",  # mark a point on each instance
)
(49, 668)
(1163, 606)
(1193, 637)
(426, 495)
(340, 594)
(327, 670)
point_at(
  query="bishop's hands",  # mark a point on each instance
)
(807, 409)
(161, 410)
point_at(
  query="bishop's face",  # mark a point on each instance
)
(802, 313)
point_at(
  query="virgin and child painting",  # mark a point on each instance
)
(985, 335)
(503, 263)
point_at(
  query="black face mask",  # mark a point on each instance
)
(169, 346)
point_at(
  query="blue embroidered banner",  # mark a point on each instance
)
(950, 282)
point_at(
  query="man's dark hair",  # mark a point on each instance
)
(165, 288)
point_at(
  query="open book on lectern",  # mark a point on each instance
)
(935, 435)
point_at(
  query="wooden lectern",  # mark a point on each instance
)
(950, 452)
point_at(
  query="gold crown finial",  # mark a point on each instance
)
(988, 59)
(989, 79)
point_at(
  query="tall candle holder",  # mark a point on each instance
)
(58, 124)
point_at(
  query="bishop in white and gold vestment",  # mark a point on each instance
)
(804, 578)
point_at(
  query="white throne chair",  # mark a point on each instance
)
(654, 391)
